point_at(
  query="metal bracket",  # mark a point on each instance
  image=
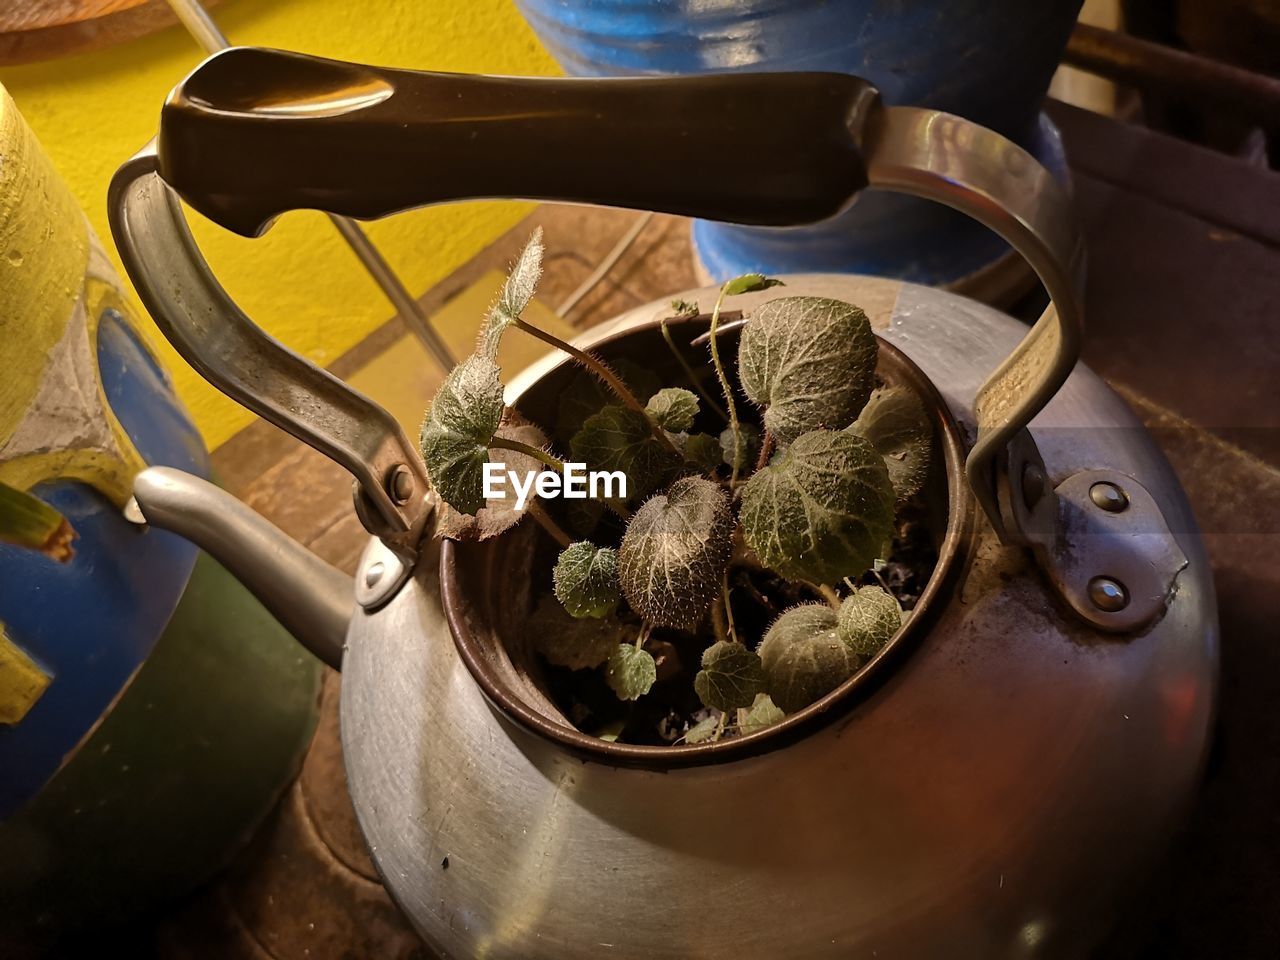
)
(388, 560)
(1098, 535)
(380, 575)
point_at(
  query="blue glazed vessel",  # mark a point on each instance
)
(92, 622)
(987, 60)
(151, 711)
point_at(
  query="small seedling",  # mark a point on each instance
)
(739, 579)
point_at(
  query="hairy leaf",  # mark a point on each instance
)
(804, 658)
(586, 580)
(586, 395)
(461, 421)
(749, 282)
(619, 438)
(742, 453)
(499, 514)
(762, 713)
(673, 408)
(701, 451)
(809, 361)
(674, 553)
(515, 296)
(868, 619)
(630, 671)
(703, 730)
(568, 642)
(895, 422)
(821, 510)
(730, 677)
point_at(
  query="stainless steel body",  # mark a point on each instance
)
(1000, 796)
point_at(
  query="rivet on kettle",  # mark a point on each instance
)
(374, 573)
(1033, 484)
(1108, 594)
(401, 484)
(1107, 496)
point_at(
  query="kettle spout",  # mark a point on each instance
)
(312, 599)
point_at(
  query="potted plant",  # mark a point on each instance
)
(722, 547)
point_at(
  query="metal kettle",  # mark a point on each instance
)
(996, 788)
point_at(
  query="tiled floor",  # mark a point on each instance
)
(1183, 317)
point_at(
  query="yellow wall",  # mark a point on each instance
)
(300, 281)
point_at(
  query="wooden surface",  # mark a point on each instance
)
(1183, 316)
(43, 29)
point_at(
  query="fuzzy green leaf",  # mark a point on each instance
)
(455, 437)
(499, 514)
(683, 308)
(703, 730)
(809, 361)
(515, 296)
(701, 451)
(586, 580)
(821, 510)
(743, 452)
(586, 395)
(730, 677)
(868, 619)
(748, 283)
(568, 642)
(804, 658)
(619, 438)
(26, 521)
(674, 553)
(762, 713)
(673, 408)
(895, 422)
(630, 671)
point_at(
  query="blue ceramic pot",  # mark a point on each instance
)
(150, 710)
(987, 60)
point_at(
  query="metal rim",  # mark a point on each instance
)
(953, 556)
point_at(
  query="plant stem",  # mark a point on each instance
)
(503, 443)
(880, 577)
(827, 593)
(767, 445)
(547, 524)
(594, 364)
(693, 377)
(601, 370)
(718, 621)
(724, 383)
(728, 606)
(645, 630)
(552, 461)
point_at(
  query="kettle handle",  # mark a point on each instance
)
(252, 133)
